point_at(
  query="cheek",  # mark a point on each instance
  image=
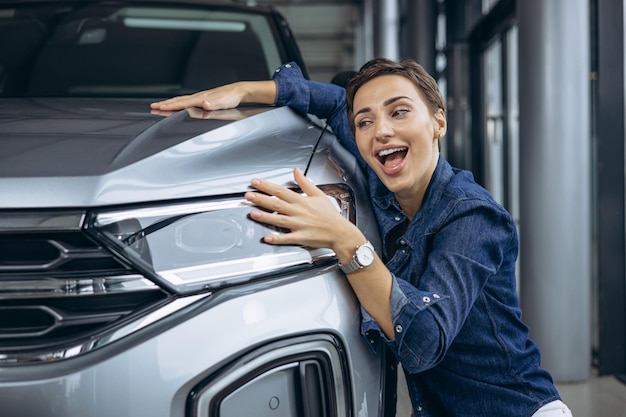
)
(361, 144)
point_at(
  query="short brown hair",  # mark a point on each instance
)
(425, 83)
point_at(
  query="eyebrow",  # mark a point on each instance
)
(385, 103)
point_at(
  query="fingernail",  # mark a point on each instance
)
(255, 182)
(269, 239)
(250, 196)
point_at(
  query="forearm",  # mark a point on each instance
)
(372, 284)
(225, 97)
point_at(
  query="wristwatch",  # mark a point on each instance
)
(364, 256)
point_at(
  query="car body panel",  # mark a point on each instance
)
(153, 376)
(154, 369)
(94, 184)
(139, 156)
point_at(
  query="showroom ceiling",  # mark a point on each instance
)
(325, 31)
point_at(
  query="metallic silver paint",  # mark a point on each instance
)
(154, 376)
(152, 371)
(220, 161)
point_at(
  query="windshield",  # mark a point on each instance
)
(112, 50)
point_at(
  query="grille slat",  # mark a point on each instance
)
(59, 287)
(53, 251)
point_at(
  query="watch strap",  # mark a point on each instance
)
(351, 266)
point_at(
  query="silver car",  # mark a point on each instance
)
(132, 282)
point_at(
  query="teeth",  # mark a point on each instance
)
(390, 151)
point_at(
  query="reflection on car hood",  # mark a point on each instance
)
(88, 152)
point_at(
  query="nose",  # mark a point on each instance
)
(383, 129)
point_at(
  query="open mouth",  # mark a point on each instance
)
(392, 157)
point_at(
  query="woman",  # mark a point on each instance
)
(442, 293)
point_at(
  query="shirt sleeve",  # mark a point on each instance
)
(406, 303)
(324, 100)
(427, 319)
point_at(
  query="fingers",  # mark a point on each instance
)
(312, 221)
(286, 194)
(281, 210)
(179, 103)
(272, 217)
(271, 204)
(223, 97)
(305, 184)
(271, 189)
(206, 100)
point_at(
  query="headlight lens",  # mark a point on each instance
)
(194, 246)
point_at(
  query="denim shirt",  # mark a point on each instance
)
(458, 329)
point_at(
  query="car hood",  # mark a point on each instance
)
(93, 152)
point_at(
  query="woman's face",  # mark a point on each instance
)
(397, 135)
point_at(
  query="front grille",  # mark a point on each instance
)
(38, 324)
(58, 287)
(55, 252)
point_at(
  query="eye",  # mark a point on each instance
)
(400, 111)
(363, 123)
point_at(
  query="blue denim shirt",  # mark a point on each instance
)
(458, 329)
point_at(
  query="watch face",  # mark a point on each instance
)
(365, 255)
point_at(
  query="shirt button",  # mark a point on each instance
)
(436, 296)
(288, 66)
(419, 408)
(426, 299)
(277, 69)
(398, 218)
(403, 242)
(398, 328)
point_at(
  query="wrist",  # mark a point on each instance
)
(346, 245)
(364, 256)
(259, 92)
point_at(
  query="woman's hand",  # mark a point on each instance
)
(311, 218)
(227, 96)
(314, 221)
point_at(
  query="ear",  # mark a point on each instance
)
(441, 124)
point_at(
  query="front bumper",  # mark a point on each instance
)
(163, 369)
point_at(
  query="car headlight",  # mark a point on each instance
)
(201, 245)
